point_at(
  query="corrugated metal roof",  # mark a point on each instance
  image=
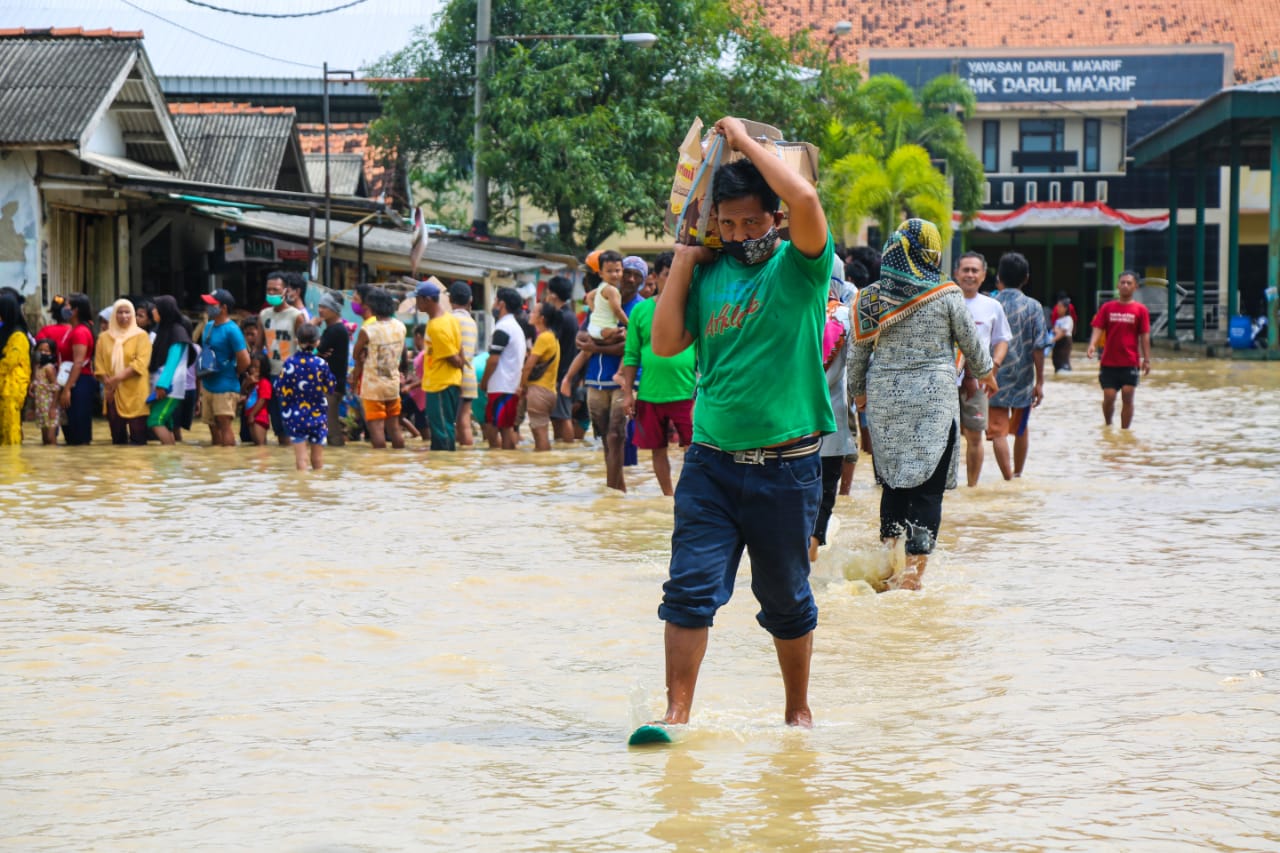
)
(120, 165)
(244, 86)
(441, 257)
(50, 88)
(244, 149)
(1270, 84)
(346, 173)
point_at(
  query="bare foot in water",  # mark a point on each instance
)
(801, 718)
(907, 580)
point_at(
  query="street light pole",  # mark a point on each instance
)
(839, 28)
(328, 187)
(480, 180)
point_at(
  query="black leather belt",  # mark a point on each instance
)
(806, 446)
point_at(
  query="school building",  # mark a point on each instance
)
(1064, 91)
(1053, 130)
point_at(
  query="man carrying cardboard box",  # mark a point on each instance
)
(752, 479)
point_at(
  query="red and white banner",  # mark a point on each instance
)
(1064, 214)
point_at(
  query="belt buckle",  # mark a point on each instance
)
(755, 456)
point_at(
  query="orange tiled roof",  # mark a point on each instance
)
(380, 167)
(1252, 27)
(226, 108)
(68, 32)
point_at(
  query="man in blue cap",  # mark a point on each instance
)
(442, 369)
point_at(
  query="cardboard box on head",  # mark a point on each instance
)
(688, 217)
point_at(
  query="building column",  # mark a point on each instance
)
(1117, 256)
(1198, 255)
(1048, 266)
(1172, 324)
(1233, 233)
(1273, 237)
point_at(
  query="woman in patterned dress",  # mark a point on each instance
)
(913, 321)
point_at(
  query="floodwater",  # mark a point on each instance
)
(202, 650)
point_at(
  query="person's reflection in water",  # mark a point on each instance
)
(788, 797)
(685, 823)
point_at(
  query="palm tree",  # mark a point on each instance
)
(903, 185)
(889, 115)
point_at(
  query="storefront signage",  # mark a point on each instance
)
(249, 248)
(1009, 79)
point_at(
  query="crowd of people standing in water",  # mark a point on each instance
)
(770, 360)
(310, 381)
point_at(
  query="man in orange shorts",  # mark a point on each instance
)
(377, 352)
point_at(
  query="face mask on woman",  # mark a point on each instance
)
(64, 314)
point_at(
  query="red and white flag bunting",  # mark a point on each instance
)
(1064, 214)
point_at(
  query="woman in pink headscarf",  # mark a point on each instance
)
(121, 365)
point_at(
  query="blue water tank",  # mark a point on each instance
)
(1240, 332)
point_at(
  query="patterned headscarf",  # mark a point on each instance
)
(910, 276)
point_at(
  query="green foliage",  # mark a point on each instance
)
(588, 130)
(903, 185)
(447, 202)
(887, 116)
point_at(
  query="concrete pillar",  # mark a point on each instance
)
(1172, 330)
(1273, 238)
(1233, 233)
(1198, 255)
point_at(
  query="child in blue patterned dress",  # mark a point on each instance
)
(304, 383)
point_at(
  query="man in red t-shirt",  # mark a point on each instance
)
(1127, 325)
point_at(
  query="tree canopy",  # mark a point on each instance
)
(588, 130)
(887, 116)
(904, 183)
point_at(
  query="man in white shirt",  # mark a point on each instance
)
(993, 331)
(501, 378)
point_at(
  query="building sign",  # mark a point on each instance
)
(1102, 77)
(254, 249)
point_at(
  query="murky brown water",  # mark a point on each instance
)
(201, 649)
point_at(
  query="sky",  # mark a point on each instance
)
(295, 47)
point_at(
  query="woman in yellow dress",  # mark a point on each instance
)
(121, 364)
(15, 369)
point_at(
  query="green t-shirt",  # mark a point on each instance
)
(665, 380)
(758, 333)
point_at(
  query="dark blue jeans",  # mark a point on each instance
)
(724, 507)
(79, 428)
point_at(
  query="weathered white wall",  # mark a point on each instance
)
(19, 223)
(108, 138)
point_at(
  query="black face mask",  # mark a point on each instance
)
(497, 315)
(64, 314)
(47, 358)
(752, 252)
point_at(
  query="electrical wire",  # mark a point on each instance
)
(347, 5)
(219, 41)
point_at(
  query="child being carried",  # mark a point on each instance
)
(607, 320)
